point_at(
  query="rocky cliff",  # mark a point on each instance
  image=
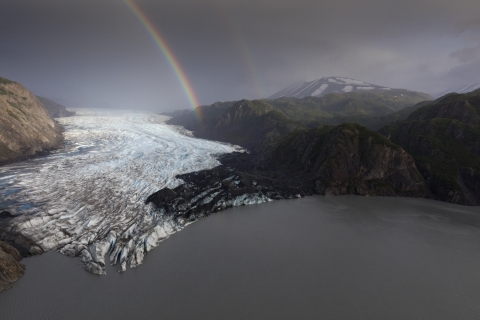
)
(250, 124)
(54, 109)
(347, 159)
(10, 268)
(26, 127)
(444, 139)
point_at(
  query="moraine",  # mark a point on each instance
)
(88, 199)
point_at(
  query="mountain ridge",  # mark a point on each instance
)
(326, 85)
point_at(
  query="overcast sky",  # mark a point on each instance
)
(95, 53)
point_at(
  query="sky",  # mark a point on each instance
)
(97, 53)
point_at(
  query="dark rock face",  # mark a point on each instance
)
(444, 140)
(236, 182)
(250, 124)
(6, 214)
(27, 129)
(54, 109)
(24, 245)
(347, 159)
(10, 268)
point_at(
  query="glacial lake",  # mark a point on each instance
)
(345, 257)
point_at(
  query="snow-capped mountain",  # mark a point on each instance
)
(323, 86)
(458, 89)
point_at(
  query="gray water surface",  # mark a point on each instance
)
(314, 258)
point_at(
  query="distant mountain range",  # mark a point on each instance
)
(458, 89)
(323, 86)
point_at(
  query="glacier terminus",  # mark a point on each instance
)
(87, 199)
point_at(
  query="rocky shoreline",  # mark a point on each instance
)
(235, 182)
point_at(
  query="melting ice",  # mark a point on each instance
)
(87, 199)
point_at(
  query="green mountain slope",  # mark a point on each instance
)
(347, 159)
(444, 139)
(256, 123)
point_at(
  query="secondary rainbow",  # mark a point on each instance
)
(167, 52)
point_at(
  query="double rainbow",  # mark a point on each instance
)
(167, 52)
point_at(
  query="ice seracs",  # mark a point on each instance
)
(88, 199)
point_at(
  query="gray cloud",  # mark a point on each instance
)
(95, 53)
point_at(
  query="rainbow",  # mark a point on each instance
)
(167, 52)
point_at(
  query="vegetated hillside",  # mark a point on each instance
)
(250, 124)
(324, 86)
(444, 139)
(372, 122)
(347, 159)
(54, 109)
(347, 104)
(254, 124)
(26, 127)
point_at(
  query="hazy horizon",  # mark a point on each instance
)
(98, 54)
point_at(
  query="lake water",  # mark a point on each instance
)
(343, 257)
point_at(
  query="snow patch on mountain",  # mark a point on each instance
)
(323, 86)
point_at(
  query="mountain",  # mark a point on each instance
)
(256, 123)
(250, 124)
(54, 109)
(10, 268)
(444, 139)
(458, 89)
(346, 159)
(324, 86)
(350, 104)
(27, 128)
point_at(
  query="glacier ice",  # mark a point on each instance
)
(88, 199)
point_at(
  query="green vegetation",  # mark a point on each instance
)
(444, 139)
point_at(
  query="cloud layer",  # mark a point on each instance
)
(95, 53)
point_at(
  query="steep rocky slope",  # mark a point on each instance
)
(26, 127)
(444, 139)
(54, 109)
(347, 159)
(250, 124)
(10, 268)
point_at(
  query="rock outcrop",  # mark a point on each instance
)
(255, 124)
(236, 182)
(444, 140)
(347, 159)
(27, 128)
(10, 268)
(250, 124)
(54, 109)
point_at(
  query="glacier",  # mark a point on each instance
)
(87, 200)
